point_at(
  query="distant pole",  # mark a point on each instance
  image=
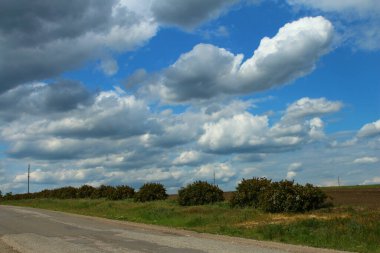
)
(28, 176)
(214, 177)
(338, 181)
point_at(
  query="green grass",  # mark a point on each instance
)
(352, 229)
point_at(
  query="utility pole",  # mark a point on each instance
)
(28, 176)
(214, 177)
(338, 181)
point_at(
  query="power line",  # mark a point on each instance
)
(28, 176)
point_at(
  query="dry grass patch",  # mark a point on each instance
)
(291, 218)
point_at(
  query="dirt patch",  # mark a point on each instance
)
(5, 248)
(289, 218)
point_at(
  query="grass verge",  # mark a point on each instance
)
(343, 228)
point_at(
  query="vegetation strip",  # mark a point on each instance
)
(343, 228)
(291, 217)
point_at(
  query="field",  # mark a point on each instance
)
(352, 225)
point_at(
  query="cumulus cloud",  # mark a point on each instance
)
(223, 172)
(41, 99)
(291, 53)
(188, 14)
(248, 133)
(188, 158)
(244, 132)
(370, 129)
(293, 170)
(366, 160)
(308, 107)
(360, 20)
(34, 35)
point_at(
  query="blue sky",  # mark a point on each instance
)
(127, 92)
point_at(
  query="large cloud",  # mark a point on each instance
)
(41, 99)
(370, 129)
(359, 20)
(40, 39)
(245, 132)
(207, 70)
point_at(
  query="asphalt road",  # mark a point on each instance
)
(27, 230)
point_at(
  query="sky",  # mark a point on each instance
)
(129, 91)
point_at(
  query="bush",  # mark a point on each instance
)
(285, 196)
(199, 193)
(151, 192)
(103, 191)
(86, 191)
(282, 196)
(248, 192)
(122, 192)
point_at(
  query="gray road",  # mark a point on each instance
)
(24, 230)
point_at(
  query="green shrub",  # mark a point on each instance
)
(103, 191)
(282, 196)
(151, 192)
(86, 191)
(65, 193)
(248, 192)
(199, 193)
(122, 192)
(285, 196)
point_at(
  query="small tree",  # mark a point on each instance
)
(1, 195)
(199, 193)
(151, 192)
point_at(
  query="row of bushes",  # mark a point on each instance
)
(103, 191)
(282, 196)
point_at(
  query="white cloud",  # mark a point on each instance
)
(295, 166)
(291, 53)
(366, 160)
(370, 129)
(308, 107)
(291, 175)
(109, 66)
(223, 172)
(239, 132)
(375, 180)
(359, 20)
(188, 157)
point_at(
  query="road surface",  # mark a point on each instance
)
(27, 230)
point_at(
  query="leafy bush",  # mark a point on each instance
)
(122, 192)
(103, 191)
(199, 193)
(285, 196)
(248, 192)
(86, 191)
(151, 192)
(282, 196)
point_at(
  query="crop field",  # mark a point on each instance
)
(364, 196)
(353, 224)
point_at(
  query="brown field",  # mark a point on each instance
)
(355, 196)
